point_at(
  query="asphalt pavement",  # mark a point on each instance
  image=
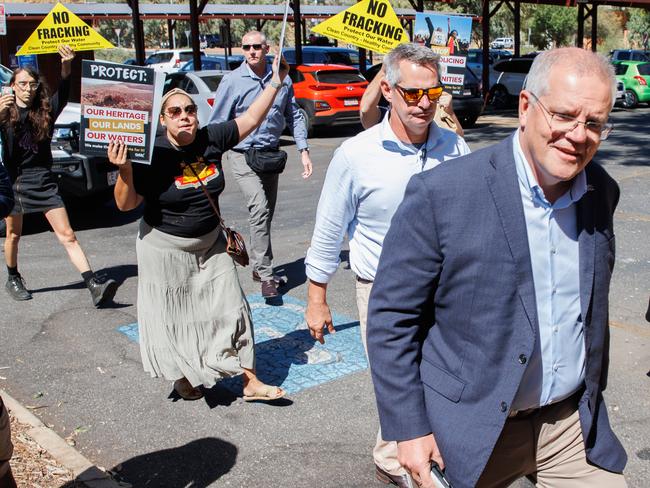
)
(79, 370)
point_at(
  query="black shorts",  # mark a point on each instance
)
(35, 190)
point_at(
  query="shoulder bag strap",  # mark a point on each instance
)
(207, 194)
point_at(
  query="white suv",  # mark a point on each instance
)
(503, 43)
(169, 60)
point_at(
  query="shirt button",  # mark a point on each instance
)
(555, 329)
(553, 250)
(554, 291)
(522, 359)
(504, 406)
(555, 368)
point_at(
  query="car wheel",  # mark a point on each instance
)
(630, 100)
(500, 98)
(309, 123)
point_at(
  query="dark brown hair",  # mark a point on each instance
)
(40, 111)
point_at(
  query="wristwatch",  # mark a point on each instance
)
(276, 84)
(304, 149)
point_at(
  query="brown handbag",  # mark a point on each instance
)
(235, 245)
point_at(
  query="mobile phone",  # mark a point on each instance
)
(439, 477)
(7, 90)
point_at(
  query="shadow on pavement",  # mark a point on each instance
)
(197, 464)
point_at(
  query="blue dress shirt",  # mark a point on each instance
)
(240, 88)
(556, 368)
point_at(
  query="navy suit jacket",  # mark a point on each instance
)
(453, 307)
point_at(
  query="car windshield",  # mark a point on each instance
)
(211, 81)
(158, 58)
(339, 57)
(339, 77)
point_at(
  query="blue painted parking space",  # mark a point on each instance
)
(286, 354)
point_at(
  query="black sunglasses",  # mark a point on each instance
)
(247, 47)
(175, 112)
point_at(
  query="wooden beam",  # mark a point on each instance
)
(138, 32)
(295, 5)
(494, 10)
(517, 15)
(594, 27)
(486, 49)
(581, 25)
(194, 35)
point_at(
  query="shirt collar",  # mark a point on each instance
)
(529, 184)
(393, 143)
(249, 72)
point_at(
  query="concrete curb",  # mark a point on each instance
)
(69, 457)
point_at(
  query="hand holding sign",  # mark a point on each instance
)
(67, 55)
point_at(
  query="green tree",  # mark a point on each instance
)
(552, 26)
(638, 25)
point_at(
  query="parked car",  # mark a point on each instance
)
(328, 94)
(629, 55)
(201, 85)
(78, 176)
(467, 100)
(216, 62)
(475, 61)
(169, 60)
(503, 43)
(635, 76)
(512, 76)
(325, 55)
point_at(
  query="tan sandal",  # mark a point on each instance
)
(266, 393)
(186, 391)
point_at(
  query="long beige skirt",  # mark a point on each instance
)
(194, 320)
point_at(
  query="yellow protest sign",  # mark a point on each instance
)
(61, 26)
(371, 24)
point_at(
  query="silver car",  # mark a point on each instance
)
(201, 85)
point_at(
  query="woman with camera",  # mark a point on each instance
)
(194, 321)
(27, 116)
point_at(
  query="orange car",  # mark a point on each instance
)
(328, 94)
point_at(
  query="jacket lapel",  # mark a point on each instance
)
(587, 249)
(504, 186)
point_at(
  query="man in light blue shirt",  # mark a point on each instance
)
(364, 185)
(235, 94)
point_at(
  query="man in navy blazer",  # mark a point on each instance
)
(488, 320)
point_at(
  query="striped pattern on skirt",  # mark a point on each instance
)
(194, 320)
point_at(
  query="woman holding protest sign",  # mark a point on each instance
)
(194, 321)
(27, 116)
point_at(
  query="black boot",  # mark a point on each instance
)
(103, 291)
(15, 286)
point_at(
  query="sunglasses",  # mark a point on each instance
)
(175, 112)
(414, 95)
(248, 47)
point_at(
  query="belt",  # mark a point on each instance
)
(520, 414)
(364, 281)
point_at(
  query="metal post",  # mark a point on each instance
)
(594, 26)
(194, 29)
(486, 48)
(517, 15)
(171, 26)
(297, 29)
(581, 25)
(138, 32)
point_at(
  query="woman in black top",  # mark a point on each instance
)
(27, 119)
(194, 322)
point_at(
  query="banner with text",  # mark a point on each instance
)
(370, 24)
(449, 36)
(119, 102)
(61, 26)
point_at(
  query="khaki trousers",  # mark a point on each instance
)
(547, 448)
(6, 448)
(260, 192)
(384, 453)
